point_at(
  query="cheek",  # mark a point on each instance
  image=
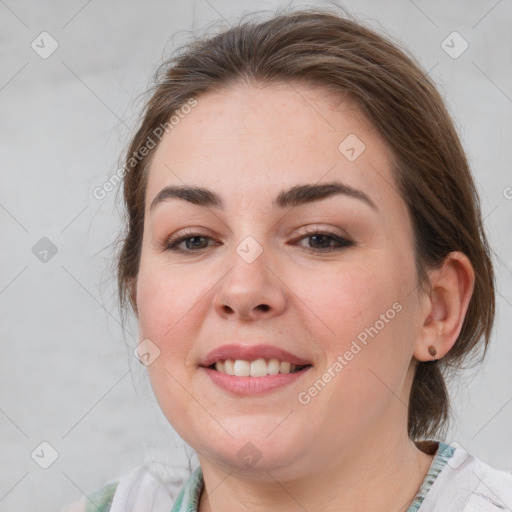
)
(365, 314)
(166, 317)
(168, 302)
(165, 296)
(350, 298)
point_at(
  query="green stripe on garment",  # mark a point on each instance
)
(100, 500)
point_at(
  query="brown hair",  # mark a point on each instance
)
(319, 47)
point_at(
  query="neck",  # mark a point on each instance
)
(368, 477)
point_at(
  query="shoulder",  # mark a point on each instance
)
(468, 484)
(148, 487)
(98, 500)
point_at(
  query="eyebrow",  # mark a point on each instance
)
(295, 196)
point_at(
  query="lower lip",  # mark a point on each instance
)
(253, 385)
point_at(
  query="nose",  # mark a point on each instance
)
(251, 290)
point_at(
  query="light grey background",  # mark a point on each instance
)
(68, 376)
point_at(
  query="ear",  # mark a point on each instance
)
(445, 306)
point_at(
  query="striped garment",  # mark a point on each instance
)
(455, 482)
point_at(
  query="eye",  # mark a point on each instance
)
(194, 242)
(323, 241)
(319, 241)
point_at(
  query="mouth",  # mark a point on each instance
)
(260, 367)
(252, 370)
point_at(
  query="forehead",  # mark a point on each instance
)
(253, 140)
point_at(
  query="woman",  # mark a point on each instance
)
(305, 255)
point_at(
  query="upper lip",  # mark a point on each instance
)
(250, 353)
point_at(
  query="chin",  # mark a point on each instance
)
(247, 454)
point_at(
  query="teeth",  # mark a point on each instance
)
(229, 367)
(273, 367)
(242, 368)
(258, 368)
(285, 367)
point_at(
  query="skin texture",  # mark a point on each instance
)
(348, 448)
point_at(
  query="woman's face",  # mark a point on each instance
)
(253, 275)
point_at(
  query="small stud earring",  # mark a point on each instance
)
(432, 351)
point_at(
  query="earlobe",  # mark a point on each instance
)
(445, 307)
(432, 351)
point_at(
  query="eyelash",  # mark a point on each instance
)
(343, 243)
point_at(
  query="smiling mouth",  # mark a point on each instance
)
(257, 368)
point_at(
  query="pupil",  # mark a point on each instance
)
(326, 239)
(195, 240)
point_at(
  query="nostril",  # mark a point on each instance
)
(229, 310)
